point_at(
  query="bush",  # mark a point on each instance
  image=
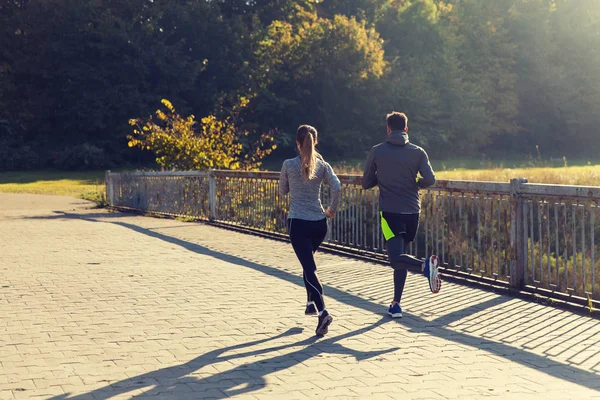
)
(183, 143)
(17, 158)
(82, 157)
(98, 197)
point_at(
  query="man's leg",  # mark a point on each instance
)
(399, 230)
(399, 281)
(402, 263)
(406, 262)
(398, 258)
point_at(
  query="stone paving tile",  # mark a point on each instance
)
(99, 305)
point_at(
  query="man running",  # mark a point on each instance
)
(394, 166)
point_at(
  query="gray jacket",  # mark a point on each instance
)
(305, 199)
(393, 165)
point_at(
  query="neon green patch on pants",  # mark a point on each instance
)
(385, 228)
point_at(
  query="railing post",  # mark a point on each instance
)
(108, 185)
(517, 256)
(212, 195)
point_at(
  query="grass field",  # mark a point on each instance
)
(88, 185)
(585, 175)
(489, 164)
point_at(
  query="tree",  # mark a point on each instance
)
(364, 10)
(319, 71)
(448, 73)
(487, 56)
(473, 75)
(80, 68)
(558, 69)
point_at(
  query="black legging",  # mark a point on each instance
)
(306, 237)
(404, 227)
(401, 262)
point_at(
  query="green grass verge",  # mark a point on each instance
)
(86, 185)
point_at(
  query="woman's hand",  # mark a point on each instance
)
(329, 213)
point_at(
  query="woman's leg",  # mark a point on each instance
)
(306, 286)
(319, 235)
(308, 294)
(301, 238)
(317, 240)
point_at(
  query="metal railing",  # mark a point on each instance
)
(526, 236)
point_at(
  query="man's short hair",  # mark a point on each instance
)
(397, 121)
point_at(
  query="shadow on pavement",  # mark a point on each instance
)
(239, 380)
(438, 327)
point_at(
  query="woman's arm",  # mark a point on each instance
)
(284, 184)
(336, 189)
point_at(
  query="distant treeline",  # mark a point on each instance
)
(473, 75)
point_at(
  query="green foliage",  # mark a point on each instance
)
(473, 75)
(15, 154)
(82, 157)
(98, 197)
(186, 219)
(77, 71)
(17, 158)
(559, 71)
(184, 144)
(454, 75)
(320, 70)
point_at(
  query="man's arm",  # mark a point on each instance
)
(369, 179)
(427, 174)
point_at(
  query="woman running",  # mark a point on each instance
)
(301, 177)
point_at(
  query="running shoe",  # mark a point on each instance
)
(395, 310)
(310, 309)
(432, 274)
(324, 321)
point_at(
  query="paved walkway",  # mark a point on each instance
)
(98, 305)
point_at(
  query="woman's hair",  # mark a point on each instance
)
(306, 136)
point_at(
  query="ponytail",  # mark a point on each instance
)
(306, 136)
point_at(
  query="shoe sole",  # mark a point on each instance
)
(435, 283)
(324, 327)
(438, 284)
(311, 314)
(395, 315)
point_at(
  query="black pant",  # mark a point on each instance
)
(404, 227)
(306, 237)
